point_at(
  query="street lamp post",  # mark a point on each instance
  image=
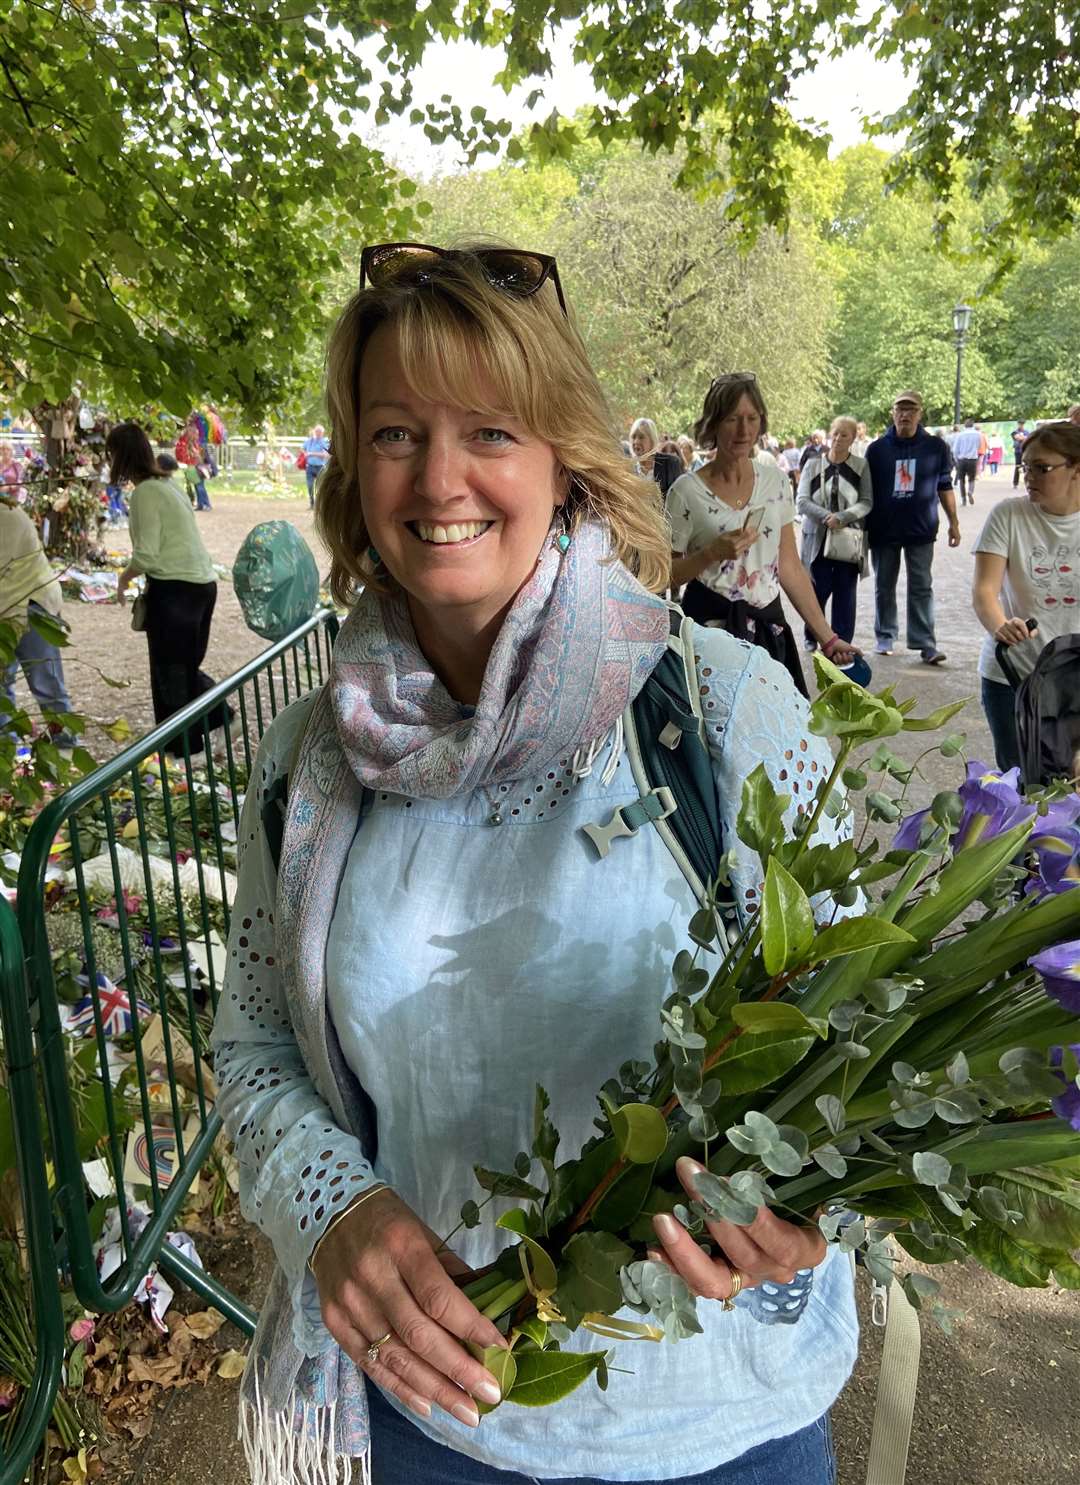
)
(961, 319)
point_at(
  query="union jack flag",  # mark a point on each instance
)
(115, 1005)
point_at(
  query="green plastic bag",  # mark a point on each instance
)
(276, 579)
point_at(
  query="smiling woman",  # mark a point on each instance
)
(431, 956)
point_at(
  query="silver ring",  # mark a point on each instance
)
(373, 1349)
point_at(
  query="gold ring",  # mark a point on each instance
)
(373, 1349)
(737, 1282)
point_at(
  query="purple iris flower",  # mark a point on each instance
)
(1067, 1104)
(1056, 843)
(1060, 969)
(992, 805)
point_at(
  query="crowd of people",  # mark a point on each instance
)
(868, 505)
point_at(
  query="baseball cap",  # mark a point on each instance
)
(915, 397)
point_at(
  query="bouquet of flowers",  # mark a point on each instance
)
(889, 1049)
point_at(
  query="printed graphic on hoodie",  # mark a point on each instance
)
(904, 480)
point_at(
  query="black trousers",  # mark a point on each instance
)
(966, 470)
(178, 632)
(765, 626)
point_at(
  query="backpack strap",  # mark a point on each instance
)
(664, 734)
(276, 799)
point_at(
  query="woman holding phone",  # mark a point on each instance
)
(732, 537)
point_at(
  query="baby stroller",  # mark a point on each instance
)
(1047, 710)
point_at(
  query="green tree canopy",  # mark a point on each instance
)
(666, 292)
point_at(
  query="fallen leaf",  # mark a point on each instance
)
(164, 1370)
(231, 1364)
(205, 1323)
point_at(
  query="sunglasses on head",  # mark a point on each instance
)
(506, 269)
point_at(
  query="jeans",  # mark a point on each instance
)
(838, 581)
(312, 472)
(966, 470)
(44, 672)
(402, 1455)
(178, 618)
(918, 560)
(999, 704)
(202, 499)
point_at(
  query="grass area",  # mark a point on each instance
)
(254, 482)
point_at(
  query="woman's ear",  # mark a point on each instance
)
(564, 483)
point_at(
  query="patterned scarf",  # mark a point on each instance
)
(578, 644)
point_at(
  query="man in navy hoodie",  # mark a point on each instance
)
(911, 471)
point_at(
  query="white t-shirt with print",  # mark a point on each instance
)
(697, 517)
(1042, 577)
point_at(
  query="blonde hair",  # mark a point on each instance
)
(844, 422)
(468, 344)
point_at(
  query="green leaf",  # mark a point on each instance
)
(499, 1183)
(502, 1365)
(775, 1015)
(515, 1220)
(545, 1377)
(852, 934)
(1023, 1264)
(1050, 1202)
(760, 824)
(52, 630)
(753, 1062)
(589, 1275)
(787, 920)
(931, 1169)
(624, 1199)
(936, 718)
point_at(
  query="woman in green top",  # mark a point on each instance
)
(180, 584)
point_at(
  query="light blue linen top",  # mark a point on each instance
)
(468, 961)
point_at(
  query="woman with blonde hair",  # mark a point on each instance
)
(835, 497)
(421, 957)
(651, 458)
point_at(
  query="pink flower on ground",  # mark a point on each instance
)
(82, 1329)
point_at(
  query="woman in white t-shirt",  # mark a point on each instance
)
(1027, 566)
(732, 535)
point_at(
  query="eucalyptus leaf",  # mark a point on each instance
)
(930, 1168)
(832, 1111)
(831, 1161)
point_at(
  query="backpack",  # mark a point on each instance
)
(1048, 711)
(665, 745)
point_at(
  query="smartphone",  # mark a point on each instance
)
(754, 511)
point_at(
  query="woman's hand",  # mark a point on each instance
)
(378, 1271)
(839, 651)
(833, 523)
(1014, 632)
(731, 546)
(769, 1249)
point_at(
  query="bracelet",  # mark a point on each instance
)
(830, 644)
(340, 1216)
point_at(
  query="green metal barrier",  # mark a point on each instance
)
(148, 840)
(22, 1438)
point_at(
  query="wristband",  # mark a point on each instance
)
(340, 1217)
(830, 645)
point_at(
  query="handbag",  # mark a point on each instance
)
(843, 543)
(301, 460)
(138, 613)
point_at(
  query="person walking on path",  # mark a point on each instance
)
(1027, 566)
(835, 497)
(732, 534)
(316, 453)
(650, 460)
(1019, 437)
(28, 586)
(965, 452)
(995, 454)
(181, 586)
(911, 474)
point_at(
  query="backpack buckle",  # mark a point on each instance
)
(628, 819)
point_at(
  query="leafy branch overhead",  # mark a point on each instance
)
(183, 182)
